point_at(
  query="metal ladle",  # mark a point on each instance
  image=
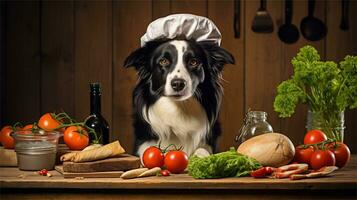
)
(311, 27)
(288, 32)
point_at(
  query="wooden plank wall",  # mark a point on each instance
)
(54, 49)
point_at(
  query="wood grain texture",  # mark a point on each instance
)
(22, 95)
(57, 63)
(93, 55)
(340, 43)
(8, 158)
(127, 32)
(295, 126)
(343, 179)
(232, 109)
(2, 59)
(160, 8)
(197, 7)
(263, 62)
(123, 162)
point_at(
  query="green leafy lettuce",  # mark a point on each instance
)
(220, 165)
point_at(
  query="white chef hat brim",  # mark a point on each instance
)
(187, 26)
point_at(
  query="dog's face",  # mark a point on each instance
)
(175, 68)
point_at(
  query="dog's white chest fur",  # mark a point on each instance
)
(183, 123)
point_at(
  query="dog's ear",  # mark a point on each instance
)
(141, 57)
(217, 55)
(137, 58)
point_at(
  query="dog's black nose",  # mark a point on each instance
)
(178, 84)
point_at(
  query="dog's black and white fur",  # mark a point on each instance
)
(178, 94)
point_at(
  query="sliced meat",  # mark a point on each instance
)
(319, 173)
(288, 170)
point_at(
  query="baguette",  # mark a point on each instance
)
(133, 173)
(109, 150)
(151, 172)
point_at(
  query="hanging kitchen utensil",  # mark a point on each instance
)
(288, 32)
(262, 22)
(236, 18)
(344, 17)
(311, 27)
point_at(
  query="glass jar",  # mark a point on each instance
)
(255, 123)
(36, 150)
(332, 124)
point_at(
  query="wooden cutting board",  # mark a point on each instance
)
(123, 162)
(7, 157)
(110, 174)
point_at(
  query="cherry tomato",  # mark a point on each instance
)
(303, 155)
(6, 140)
(322, 158)
(165, 173)
(153, 157)
(76, 137)
(176, 161)
(314, 136)
(43, 172)
(48, 123)
(342, 153)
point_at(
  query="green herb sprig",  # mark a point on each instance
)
(326, 87)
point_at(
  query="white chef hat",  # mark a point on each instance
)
(182, 25)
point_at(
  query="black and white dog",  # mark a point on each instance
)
(178, 94)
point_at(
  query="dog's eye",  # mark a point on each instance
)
(164, 62)
(194, 62)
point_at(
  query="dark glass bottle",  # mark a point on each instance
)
(96, 120)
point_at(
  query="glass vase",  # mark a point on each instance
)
(332, 124)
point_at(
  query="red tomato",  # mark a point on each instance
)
(314, 136)
(6, 140)
(342, 153)
(303, 155)
(262, 172)
(153, 157)
(48, 123)
(76, 137)
(322, 158)
(176, 161)
(28, 127)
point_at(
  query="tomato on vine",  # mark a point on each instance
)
(303, 155)
(322, 158)
(176, 161)
(314, 136)
(342, 153)
(76, 137)
(153, 157)
(48, 122)
(6, 140)
(28, 127)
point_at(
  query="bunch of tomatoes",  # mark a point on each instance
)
(174, 161)
(75, 134)
(319, 151)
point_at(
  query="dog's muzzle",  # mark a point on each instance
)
(178, 84)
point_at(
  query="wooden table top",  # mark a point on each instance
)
(345, 179)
